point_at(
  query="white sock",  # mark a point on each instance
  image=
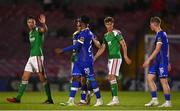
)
(168, 102)
(99, 100)
(155, 98)
(71, 99)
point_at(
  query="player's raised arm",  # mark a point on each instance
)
(42, 20)
(100, 51)
(96, 43)
(124, 47)
(153, 55)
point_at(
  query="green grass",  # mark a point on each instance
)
(128, 100)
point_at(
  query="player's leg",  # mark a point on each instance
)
(43, 78)
(96, 90)
(89, 71)
(151, 83)
(46, 85)
(90, 92)
(83, 91)
(74, 88)
(163, 74)
(166, 90)
(71, 78)
(23, 84)
(76, 83)
(114, 66)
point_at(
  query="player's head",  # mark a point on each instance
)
(77, 23)
(155, 23)
(84, 21)
(31, 22)
(109, 23)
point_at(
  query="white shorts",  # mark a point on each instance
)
(35, 64)
(114, 66)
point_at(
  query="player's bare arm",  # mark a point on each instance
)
(42, 20)
(100, 51)
(96, 43)
(124, 47)
(153, 55)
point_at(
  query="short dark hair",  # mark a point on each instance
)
(31, 17)
(109, 19)
(156, 20)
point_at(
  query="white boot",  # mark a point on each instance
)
(166, 104)
(114, 101)
(70, 102)
(153, 102)
(99, 102)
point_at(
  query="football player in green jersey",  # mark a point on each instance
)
(113, 40)
(35, 62)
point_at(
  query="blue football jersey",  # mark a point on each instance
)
(85, 52)
(163, 56)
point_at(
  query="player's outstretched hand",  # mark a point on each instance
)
(128, 60)
(42, 18)
(146, 64)
(58, 51)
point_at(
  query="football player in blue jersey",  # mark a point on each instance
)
(160, 66)
(83, 66)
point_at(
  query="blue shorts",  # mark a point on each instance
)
(160, 69)
(83, 69)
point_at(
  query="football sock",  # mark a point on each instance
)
(22, 88)
(95, 88)
(47, 90)
(114, 87)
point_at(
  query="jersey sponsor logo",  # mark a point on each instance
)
(32, 39)
(109, 43)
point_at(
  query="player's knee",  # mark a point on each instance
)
(111, 77)
(25, 77)
(149, 78)
(164, 81)
(42, 77)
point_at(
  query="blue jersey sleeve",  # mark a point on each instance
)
(77, 45)
(159, 38)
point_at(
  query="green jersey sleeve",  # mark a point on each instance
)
(119, 37)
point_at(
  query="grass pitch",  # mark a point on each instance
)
(128, 101)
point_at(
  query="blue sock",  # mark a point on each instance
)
(74, 87)
(84, 90)
(154, 94)
(167, 97)
(95, 89)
